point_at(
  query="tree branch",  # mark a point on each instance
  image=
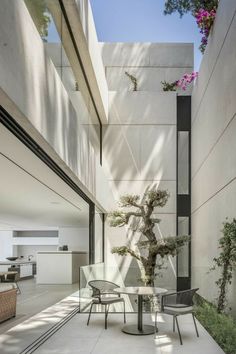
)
(120, 218)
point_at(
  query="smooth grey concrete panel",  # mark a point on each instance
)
(158, 152)
(148, 78)
(218, 105)
(225, 13)
(57, 53)
(206, 231)
(147, 54)
(219, 168)
(142, 107)
(122, 151)
(140, 152)
(213, 146)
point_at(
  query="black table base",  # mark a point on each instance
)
(133, 329)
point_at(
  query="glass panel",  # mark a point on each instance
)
(183, 163)
(183, 256)
(98, 237)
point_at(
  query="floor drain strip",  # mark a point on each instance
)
(45, 336)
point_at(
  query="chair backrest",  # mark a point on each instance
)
(100, 287)
(184, 297)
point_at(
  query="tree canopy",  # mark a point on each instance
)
(184, 6)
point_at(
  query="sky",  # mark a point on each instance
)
(144, 21)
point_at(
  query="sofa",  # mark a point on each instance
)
(8, 294)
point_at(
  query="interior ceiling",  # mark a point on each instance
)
(31, 195)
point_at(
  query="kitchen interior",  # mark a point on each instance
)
(44, 230)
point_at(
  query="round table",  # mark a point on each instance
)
(140, 291)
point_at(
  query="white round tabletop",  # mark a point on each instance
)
(141, 290)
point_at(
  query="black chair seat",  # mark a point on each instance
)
(177, 304)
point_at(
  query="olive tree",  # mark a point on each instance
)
(149, 246)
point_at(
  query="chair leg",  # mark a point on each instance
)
(180, 338)
(155, 325)
(194, 321)
(124, 313)
(106, 314)
(90, 313)
(173, 323)
(18, 288)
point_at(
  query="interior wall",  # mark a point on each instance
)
(27, 250)
(77, 239)
(213, 150)
(140, 139)
(6, 249)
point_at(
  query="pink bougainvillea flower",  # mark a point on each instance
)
(205, 20)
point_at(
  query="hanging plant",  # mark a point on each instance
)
(205, 20)
(203, 10)
(182, 83)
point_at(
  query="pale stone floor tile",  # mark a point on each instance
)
(77, 337)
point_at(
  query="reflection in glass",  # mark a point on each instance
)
(98, 237)
(183, 162)
(183, 256)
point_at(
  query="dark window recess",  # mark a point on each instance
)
(183, 187)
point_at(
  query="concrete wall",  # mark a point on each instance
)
(150, 63)
(213, 149)
(140, 140)
(32, 91)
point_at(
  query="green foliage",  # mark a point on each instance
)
(40, 15)
(146, 250)
(128, 200)
(184, 6)
(133, 80)
(225, 261)
(169, 86)
(156, 197)
(220, 326)
(116, 218)
(169, 246)
(121, 251)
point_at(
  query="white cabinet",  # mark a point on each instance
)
(4, 268)
(26, 270)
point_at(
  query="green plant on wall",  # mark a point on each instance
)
(134, 81)
(225, 261)
(148, 248)
(39, 13)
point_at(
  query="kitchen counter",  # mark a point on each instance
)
(60, 267)
(25, 268)
(16, 262)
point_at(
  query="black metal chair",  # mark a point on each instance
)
(177, 304)
(100, 290)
